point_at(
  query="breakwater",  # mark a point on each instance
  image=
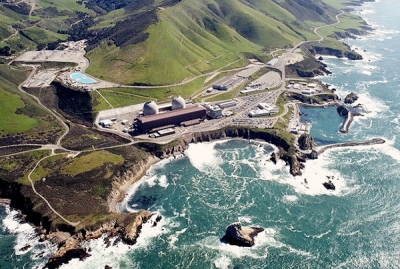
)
(373, 141)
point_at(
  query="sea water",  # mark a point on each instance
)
(306, 226)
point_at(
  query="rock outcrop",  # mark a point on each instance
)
(70, 247)
(350, 98)
(349, 54)
(241, 236)
(306, 142)
(313, 155)
(274, 157)
(342, 110)
(329, 185)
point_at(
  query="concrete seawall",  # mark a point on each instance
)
(347, 123)
(373, 141)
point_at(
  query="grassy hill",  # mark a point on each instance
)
(23, 120)
(195, 37)
(158, 42)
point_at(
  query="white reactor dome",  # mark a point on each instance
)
(150, 108)
(178, 103)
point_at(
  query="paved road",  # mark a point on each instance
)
(321, 38)
(250, 105)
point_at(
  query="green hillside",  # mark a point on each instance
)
(195, 37)
(159, 42)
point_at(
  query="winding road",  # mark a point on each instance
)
(53, 147)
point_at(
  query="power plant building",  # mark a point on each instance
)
(175, 117)
(178, 103)
(150, 108)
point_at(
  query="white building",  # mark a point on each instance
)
(214, 112)
(227, 104)
(308, 91)
(106, 123)
(312, 85)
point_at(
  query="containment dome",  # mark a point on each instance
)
(150, 108)
(178, 103)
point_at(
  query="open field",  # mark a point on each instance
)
(90, 161)
(17, 167)
(10, 121)
(26, 121)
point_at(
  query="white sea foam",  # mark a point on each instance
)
(368, 73)
(163, 181)
(39, 252)
(175, 237)
(115, 255)
(223, 263)
(151, 179)
(263, 242)
(315, 174)
(245, 219)
(322, 235)
(367, 11)
(204, 155)
(290, 198)
(389, 150)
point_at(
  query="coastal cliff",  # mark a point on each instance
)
(69, 246)
(282, 139)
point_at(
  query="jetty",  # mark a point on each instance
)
(346, 125)
(373, 141)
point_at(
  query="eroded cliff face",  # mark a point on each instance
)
(349, 54)
(245, 133)
(70, 246)
(287, 152)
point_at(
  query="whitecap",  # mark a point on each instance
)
(26, 235)
(290, 198)
(223, 263)
(163, 181)
(245, 219)
(204, 155)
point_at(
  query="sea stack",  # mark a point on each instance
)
(350, 98)
(240, 236)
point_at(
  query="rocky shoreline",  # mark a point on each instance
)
(127, 229)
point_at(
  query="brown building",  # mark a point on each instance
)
(175, 117)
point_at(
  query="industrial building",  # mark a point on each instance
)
(150, 108)
(106, 123)
(153, 119)
(273, 62)
(301, 128)
(227, 104)
(308, 91)
(227, 83)
(213, 111)
(265, 110)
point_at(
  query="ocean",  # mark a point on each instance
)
(306, 226)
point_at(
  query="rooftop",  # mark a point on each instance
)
(173, 113)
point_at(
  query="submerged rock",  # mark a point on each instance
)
(241, 236)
